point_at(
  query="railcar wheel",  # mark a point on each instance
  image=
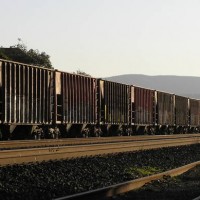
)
(97, 132)
(129, 131)
(85, 132)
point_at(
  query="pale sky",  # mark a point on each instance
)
(108, 37)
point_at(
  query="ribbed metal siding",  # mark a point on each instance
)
(114, 97)
(77, 99)
(165, 108)
(26, 94)
(181, 111)
(194, 112)
(2, 105)
(143, 106)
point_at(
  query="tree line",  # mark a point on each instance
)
(20, 53)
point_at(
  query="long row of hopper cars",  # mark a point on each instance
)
(32, 97)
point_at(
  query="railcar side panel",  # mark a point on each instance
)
(32, 95)
(143, 101)
(26, 95)
(194, 112)
(75, 99)
(181, 111)
(1, 95)
(113, 102)
(165, 109)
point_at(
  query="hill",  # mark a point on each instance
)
(182, 85)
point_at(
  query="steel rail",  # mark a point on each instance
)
(129, 185)
(78, 141)
(197, 198)
(45, 154)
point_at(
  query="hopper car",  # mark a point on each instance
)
(34, 98)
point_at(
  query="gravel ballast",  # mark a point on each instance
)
(184, 187)
(53, 179)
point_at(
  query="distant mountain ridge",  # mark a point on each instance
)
(188, 86)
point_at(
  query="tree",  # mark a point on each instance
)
(3, 55)
(82, 73)
(20, 53)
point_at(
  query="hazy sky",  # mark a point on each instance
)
(108, 37)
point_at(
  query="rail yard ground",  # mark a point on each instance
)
(185, 187)
(53, 179)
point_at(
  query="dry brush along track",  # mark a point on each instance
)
(63, 152)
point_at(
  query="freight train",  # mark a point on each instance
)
(33, 98)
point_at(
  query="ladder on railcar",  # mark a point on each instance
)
(52, 97)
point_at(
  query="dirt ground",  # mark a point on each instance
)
(184, 187)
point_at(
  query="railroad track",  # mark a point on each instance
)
(20, 144)
(66, 152)
(129, 185)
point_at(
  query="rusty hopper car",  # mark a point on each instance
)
(194, 114)
(181, 114)
(143, 109)
(165, 105)
(47, 102)
(75, 102)
(25, 96)
(113, 106)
